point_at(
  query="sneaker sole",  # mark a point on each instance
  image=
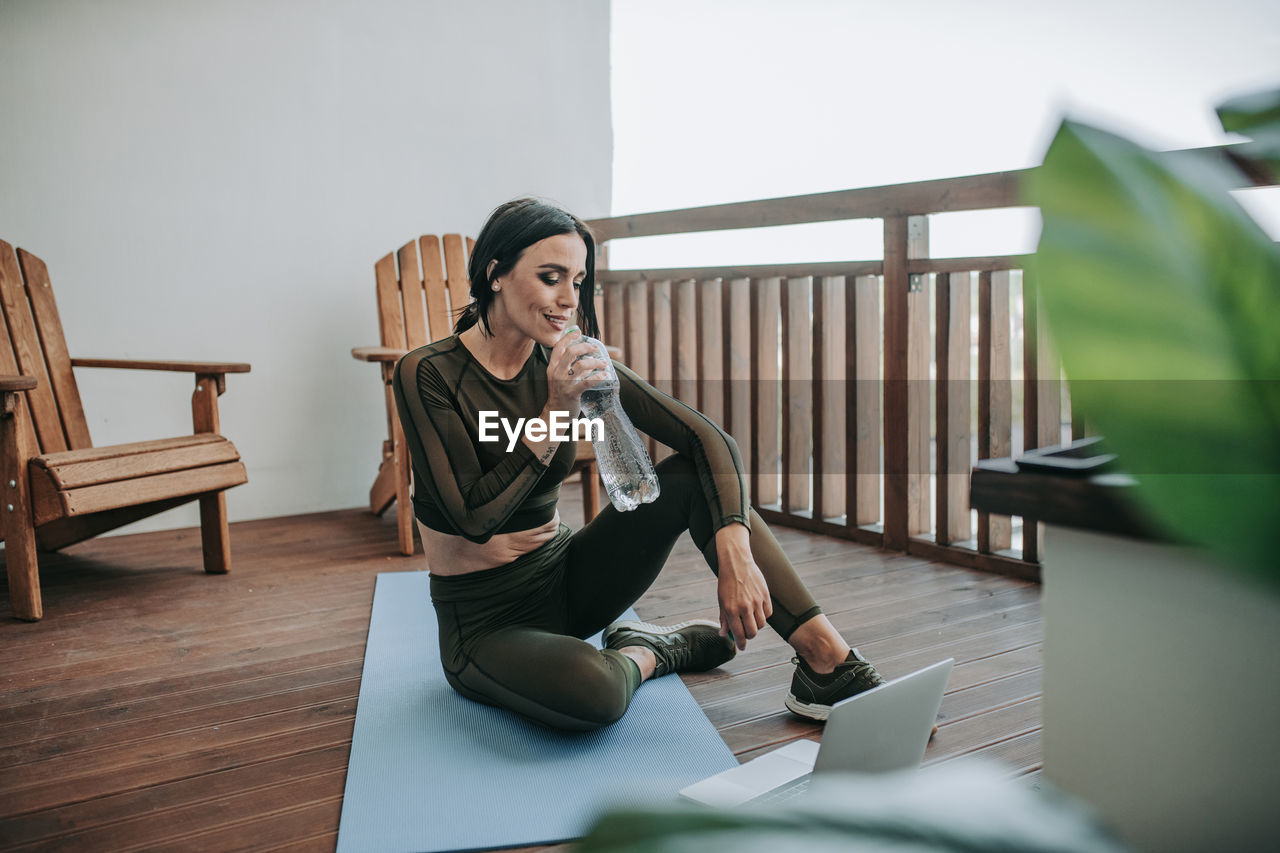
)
(823, 712)
(650, 628)
(804, 709)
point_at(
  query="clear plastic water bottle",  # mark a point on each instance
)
(625, 465)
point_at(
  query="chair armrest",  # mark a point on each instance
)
(17, 383)
(374, 354)
(201, 367)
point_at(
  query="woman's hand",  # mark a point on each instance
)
(567, 377)
(745, 605)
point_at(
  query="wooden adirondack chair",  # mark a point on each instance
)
(59, 488)
(416, 306)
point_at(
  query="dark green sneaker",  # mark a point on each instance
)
(812, 694)
(693, 646)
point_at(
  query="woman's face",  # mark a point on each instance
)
(539, 297)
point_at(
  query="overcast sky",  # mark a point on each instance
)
(726, 100)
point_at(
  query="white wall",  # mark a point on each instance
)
(215, 181)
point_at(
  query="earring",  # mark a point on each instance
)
(495, 287)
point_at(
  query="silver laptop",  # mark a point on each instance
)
(885, 728)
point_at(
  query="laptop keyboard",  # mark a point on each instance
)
(784, 793)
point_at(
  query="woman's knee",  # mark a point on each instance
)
(575, 696)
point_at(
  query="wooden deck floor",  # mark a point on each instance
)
(158, 707)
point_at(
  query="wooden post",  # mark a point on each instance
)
(919, 521)
(214, 535)
(18, 525)
(897, 444)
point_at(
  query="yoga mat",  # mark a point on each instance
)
(432, 771)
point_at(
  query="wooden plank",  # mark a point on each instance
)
(684, 316)
(919, 520)
(390, 310)
(116, 451)
(738, 344)
(637, 314)
(439, 321)
(412, 300)
(74, 475)
(897, 403)
(383, 491)
(972, 192)
(160, 487)
(61, 532)
(29, 357)
(9, 363)
(995, 402)
(58, 361)
(662, 376)
(798, 390)
(832, 385)
(711, 350)
(863, 351)
(768, 407)
(615, 329)
(455, 261)
(16, 513)
(989, 263)
(953, 407)
(753, 271)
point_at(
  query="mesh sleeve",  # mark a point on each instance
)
(476, 503)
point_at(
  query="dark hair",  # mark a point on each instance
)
(512, 228)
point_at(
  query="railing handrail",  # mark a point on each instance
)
(991, 190)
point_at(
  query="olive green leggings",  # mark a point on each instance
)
(514, 636)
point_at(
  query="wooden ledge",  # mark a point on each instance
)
(17, 383)
(178, 366)
(377, 353)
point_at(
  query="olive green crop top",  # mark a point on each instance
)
(475, 489)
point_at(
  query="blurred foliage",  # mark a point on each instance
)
(1163, 297)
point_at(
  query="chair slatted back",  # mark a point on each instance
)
(36, 347)
(417, 299)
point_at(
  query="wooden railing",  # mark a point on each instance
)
(855, 390)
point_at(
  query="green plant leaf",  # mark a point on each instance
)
(1163, 297)
(1256, 115)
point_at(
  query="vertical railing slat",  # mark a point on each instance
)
(862, 437)
(662, 350)
(637, 314)
(952, 407)
(994, 400)
(684, 316)
(798, 414)
(738, 365)
(615, 330)
(767, 391)
(711, 350)
(831, 385)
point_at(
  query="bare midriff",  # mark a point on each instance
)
(448, 554)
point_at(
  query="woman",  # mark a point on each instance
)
(514, 589)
